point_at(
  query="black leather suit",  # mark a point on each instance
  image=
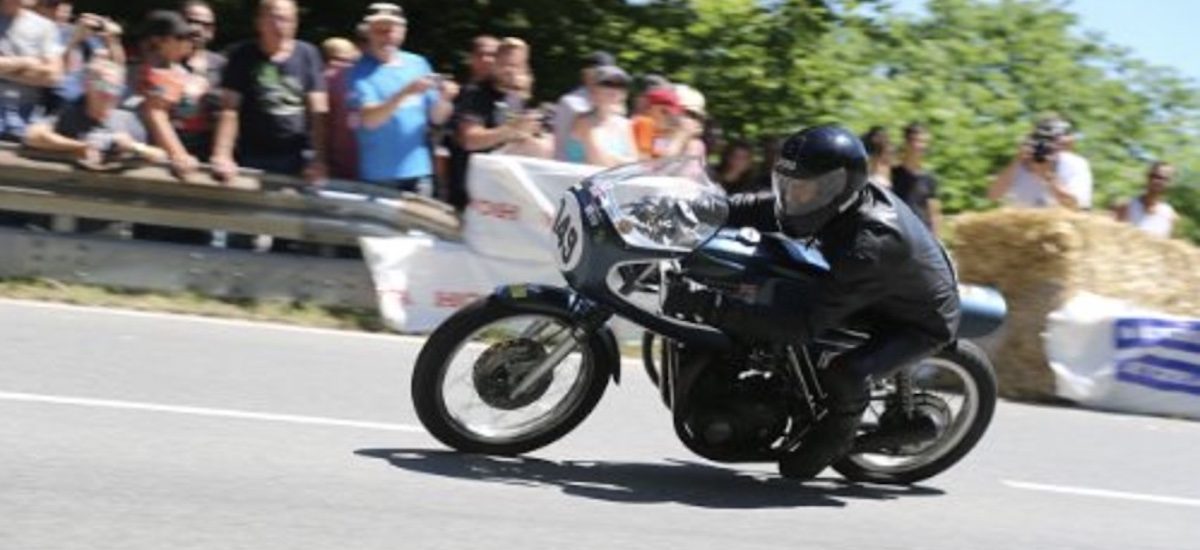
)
(886, 271)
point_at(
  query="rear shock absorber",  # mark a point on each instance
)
(904, 391)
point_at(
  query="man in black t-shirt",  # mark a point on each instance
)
(483, 121)
(912, 183)
(273, 101)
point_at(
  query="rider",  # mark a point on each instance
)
(885, 269)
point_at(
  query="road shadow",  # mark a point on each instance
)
(682, 482)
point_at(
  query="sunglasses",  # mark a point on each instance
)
(200, 23)
(615, 85)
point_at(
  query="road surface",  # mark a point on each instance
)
(146, 431)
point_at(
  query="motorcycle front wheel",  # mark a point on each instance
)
(499, 379)
(958, 386)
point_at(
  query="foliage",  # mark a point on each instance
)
(975, 72)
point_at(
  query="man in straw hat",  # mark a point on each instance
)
(397, 96)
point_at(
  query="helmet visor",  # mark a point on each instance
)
(799, 196)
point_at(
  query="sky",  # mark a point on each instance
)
(1163, 32)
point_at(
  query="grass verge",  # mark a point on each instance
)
(278, 311)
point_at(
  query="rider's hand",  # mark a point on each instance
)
(707, 208)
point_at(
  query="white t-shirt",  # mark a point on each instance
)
(1159, 221)
(1073, 171)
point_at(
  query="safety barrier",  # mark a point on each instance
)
(334, 214)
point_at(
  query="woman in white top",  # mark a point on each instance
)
(1150, 212)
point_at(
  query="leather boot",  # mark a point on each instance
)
(833, 436)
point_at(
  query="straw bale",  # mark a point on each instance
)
(1040, 258)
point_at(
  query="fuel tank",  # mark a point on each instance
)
(745, 255)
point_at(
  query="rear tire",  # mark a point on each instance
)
(976, 364)
(444, 343)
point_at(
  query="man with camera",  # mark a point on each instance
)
(397, 96)
(1045, 173)
(484, 120)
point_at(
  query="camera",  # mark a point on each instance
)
(93, 23)
(546, 113)
(1044, 143)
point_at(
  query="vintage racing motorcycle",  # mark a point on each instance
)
(522, 367)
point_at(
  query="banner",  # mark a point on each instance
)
(1159, 353)
(421, 281)
(1111, 355)
(513, 201)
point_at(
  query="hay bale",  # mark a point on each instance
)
(1040, 258)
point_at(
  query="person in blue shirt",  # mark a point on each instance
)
(396, 96)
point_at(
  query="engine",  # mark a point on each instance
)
(732, 408)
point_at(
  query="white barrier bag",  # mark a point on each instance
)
(421, 281)
(1111, 355)
(513, 201)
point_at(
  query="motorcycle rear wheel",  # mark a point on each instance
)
(969, 363)
(494, 422)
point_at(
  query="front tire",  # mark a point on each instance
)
(978, 371)
(442, 349)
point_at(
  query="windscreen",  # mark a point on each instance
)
(667, 204)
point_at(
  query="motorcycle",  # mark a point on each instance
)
(522, 367)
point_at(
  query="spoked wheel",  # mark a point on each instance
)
(956, 391)
(495, 379)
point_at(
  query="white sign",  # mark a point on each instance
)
(1111, 355)
(513, 203)
(421, 281)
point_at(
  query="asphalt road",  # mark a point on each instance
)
(131, 431)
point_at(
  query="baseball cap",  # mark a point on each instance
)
(599, 59)
(652, 81)
(166, 23)
(383, 11)
(691, 99)
(1054, 126)
(611, 74)
(665, 97)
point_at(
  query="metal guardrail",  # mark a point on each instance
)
(334, 213)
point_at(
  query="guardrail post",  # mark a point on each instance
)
(61, 223)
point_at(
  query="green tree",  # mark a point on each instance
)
(976, 72)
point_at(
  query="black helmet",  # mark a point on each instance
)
(819, 174)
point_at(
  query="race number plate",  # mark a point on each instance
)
(568, 231)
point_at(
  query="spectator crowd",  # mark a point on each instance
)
(363, 108)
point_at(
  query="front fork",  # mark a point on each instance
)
(583, 321)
